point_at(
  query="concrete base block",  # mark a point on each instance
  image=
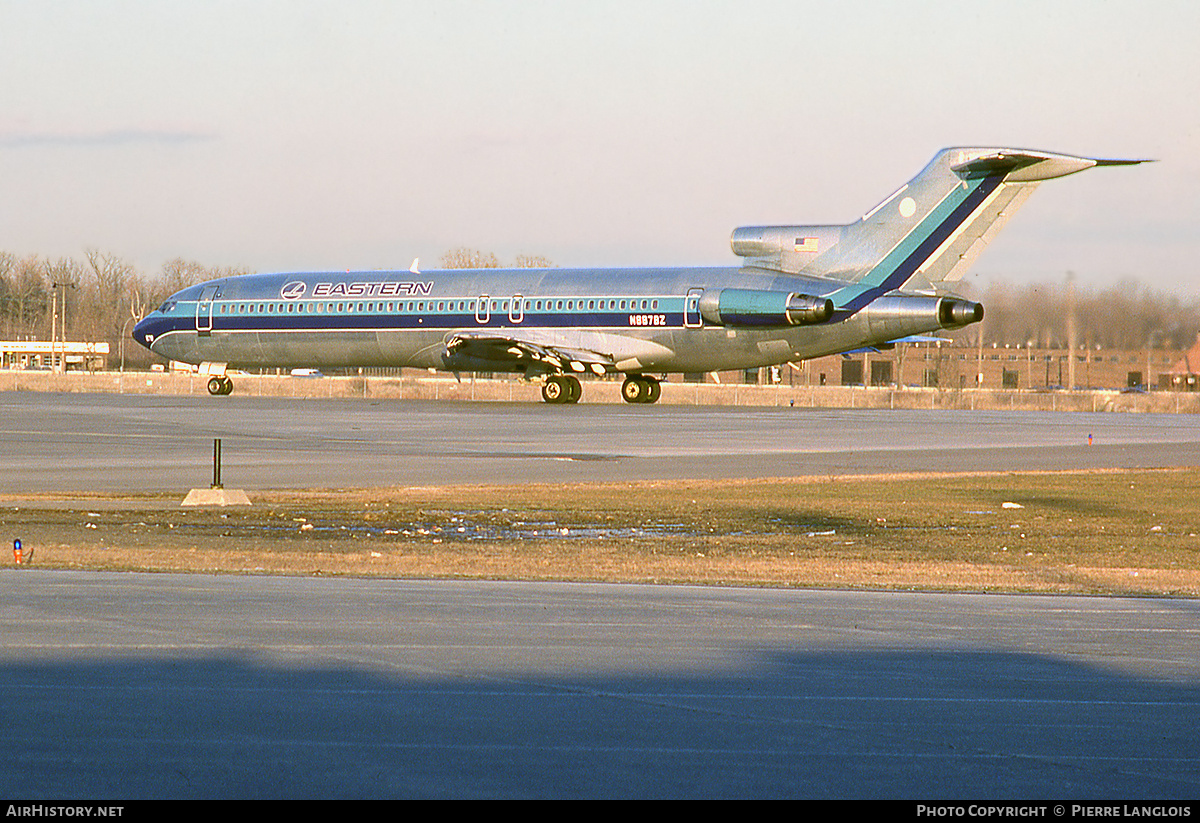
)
(216, 497)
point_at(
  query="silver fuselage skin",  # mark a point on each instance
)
(800, 292)
(646, 320)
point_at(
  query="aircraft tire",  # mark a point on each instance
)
(228, 387)
(634, 390)
(575, 390)
(653, 390)
(556, 389)
(216, 385)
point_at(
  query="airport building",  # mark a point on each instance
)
(945, 365)
(62, 355)
(1184, 375)
(951, 366)
(948, 365)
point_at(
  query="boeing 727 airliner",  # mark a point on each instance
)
(800, 292)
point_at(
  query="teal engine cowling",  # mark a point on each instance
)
(755, 307)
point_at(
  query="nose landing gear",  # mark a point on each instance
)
(220, 384)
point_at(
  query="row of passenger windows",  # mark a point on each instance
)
(523, 304)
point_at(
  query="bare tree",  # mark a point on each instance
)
(64, 276)
(533, 261)
(8, 267)
(111, 285)
(178, 274)
(463, 258)
(1125, 316)
(29, 298)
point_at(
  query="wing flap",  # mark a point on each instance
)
(552, 352)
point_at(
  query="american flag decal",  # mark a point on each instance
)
(806, 244)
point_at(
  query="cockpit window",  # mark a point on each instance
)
(166, 307)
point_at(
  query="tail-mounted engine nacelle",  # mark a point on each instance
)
(953, 312)
(753, 307)
(897, 315)
(784, 248)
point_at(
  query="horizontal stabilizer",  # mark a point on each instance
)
(1116, 161)
(1021, 166)
(928, 339)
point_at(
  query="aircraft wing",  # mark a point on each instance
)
(891, 344)
(511, 348)
(553, 352)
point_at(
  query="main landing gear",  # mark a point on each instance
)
(562, 388)
(565, 388)
(638, 388)
(220, 384)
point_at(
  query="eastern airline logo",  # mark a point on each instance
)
(293, 291)
(386, 288)
(297, 289)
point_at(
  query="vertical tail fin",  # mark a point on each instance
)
(926, 234)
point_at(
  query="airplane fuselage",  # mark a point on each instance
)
(643, 319)
(801, 292)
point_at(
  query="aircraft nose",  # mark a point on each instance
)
(144, 331)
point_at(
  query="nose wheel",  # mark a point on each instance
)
(639, 388)
(562, 388)
(220, 385)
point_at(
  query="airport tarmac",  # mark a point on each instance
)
(177, 686)
(146, 443)
(180, 686)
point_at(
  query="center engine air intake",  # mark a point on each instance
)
(752, 307)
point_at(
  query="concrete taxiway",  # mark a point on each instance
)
(141, 443)
(131, 686)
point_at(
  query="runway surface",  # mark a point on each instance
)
(141, 443)
(129, 686)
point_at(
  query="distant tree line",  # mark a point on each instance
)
(463, 258)
(1128, 315)
(98, 298)
(101, 296)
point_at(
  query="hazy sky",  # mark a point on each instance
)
(363, 133)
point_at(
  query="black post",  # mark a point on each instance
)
(216, 484)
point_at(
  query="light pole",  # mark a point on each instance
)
(1029, 363)
(54, 365)
(133, 316)
(1072, 342)
(1150, 359)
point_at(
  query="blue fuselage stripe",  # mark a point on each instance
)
(912, 261)
(185, 320)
